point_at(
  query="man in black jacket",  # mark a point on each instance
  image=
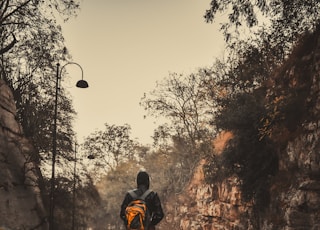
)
(152, 200)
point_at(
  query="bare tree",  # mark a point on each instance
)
(109, 147)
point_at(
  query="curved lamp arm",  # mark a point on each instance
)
(81, 83)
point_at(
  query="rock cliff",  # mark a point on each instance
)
(21, 203)
(295, 189)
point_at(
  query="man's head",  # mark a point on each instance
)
(143, 179)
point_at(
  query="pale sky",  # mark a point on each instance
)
(124, 48)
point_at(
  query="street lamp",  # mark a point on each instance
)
(80, 84)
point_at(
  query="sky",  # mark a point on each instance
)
(124, 47)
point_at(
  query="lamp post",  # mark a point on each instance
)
(74, 187)
(80, 84)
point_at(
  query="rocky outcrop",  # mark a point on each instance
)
(21, 204)
(295, 189)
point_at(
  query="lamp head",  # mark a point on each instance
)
(82, 84)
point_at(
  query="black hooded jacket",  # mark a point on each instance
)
(152, 200)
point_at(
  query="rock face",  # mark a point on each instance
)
(21, 204)
(295, 190)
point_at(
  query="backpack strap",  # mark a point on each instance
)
(133, 194)
(142, 197)
(145, 194)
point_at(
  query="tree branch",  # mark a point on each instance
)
(8, 47)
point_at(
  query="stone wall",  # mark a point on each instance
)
(295, 195)
(21, 204)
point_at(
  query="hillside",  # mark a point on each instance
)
(291, 196)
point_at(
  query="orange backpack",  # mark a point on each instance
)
(137, 215)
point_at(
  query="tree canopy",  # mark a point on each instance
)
(185, 101)
(288, 18)
(32, 44)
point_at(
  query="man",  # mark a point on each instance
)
(152, 200)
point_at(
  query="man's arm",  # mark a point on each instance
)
(157, 213)
(124, 205)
